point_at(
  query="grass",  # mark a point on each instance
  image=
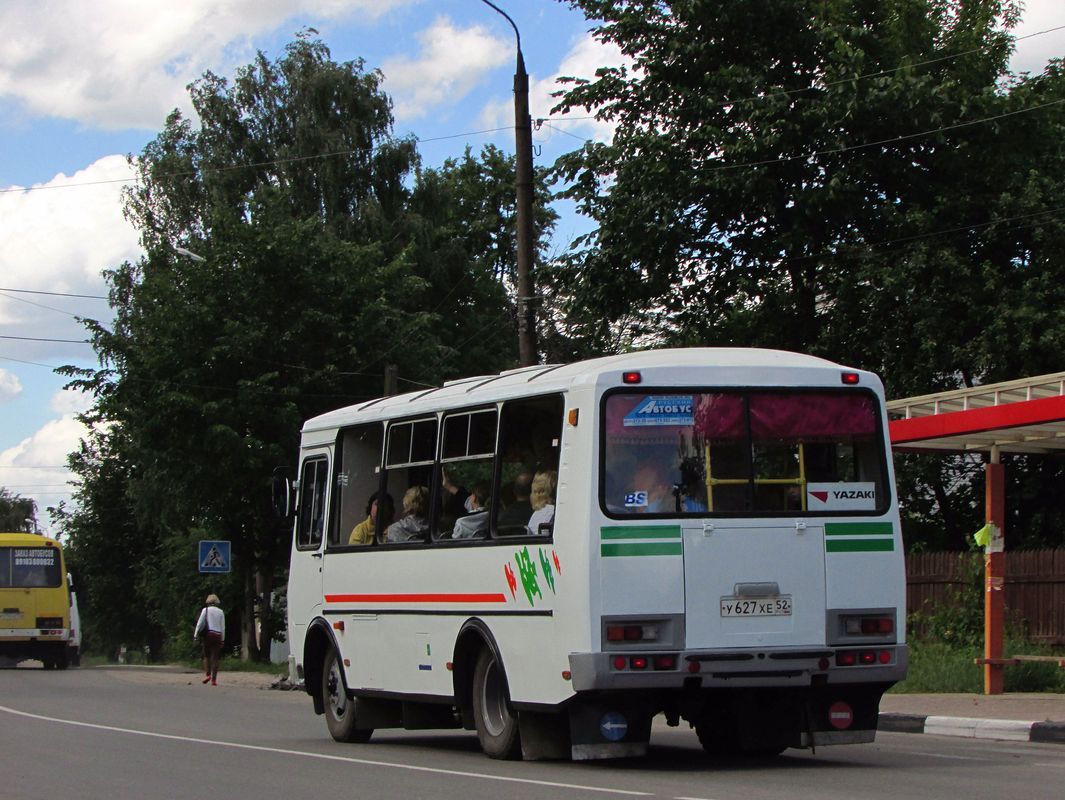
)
(936, 667)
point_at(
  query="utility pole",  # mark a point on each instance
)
(523, 184)
(391, 387)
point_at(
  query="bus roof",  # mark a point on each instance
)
(545, 378)
(13, 538)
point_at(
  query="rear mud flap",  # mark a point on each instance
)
(600, 730)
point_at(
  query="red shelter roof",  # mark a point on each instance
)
(1023, 416)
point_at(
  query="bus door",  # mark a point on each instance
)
(305, 569)
(753, 584)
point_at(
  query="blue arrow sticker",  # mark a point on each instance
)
(613, 726)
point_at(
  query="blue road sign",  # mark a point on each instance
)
(214, 555)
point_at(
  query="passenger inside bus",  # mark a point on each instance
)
(516, 514)
(475, 524)
(413, 526)
(542, 500)
(383, 509)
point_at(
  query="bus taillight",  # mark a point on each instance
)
(632, 633)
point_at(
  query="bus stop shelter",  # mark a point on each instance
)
(1024, 416)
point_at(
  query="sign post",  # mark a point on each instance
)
(214, 556)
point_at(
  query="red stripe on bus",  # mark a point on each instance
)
(415, 598)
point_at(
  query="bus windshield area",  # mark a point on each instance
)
(742, 452)
(30, 568)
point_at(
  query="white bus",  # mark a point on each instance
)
(712, 536)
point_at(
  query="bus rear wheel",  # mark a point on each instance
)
(497, 724)
(339, 708)
(724, 741)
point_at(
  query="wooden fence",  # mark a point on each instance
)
(1035, 587)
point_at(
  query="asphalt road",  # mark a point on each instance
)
(111, 733)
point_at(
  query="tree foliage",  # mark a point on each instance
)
(858, 179)
(293, 248)
(17, 514)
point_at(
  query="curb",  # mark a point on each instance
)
(1009, 730)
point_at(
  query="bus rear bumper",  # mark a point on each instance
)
(782, 667)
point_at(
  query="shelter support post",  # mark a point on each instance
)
(994, 576)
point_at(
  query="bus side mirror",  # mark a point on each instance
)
(281, 492)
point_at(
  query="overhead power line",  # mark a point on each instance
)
(232, 167)
(842, 81)
(41, 339)
(55, 294)
(892, 140)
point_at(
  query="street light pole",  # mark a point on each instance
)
(527, 354)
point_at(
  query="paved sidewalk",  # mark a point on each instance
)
(1011, 717)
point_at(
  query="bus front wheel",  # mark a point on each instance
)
(497, 724)
(339, 708)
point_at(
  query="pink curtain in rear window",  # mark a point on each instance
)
(792, 416)
(720, 416)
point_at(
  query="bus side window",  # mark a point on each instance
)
(465, 479)
(409, 457)
(313, 485)
(360, 506)
(530, 437)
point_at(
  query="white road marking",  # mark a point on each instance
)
(327, 757)
(942, 755)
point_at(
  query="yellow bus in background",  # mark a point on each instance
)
(34, 600)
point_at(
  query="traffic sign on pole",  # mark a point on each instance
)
(214, 555)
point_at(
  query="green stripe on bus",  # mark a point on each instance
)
(860, 545)
(641, 532)
(608, 549)
(859, 529)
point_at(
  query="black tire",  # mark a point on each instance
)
(339, 708)
(716, 739)
(496, 721)
(722, 741)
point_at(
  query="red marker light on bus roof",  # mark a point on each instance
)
(850, 378)
(631, 377)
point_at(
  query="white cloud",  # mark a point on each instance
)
(35, 467)
(70, 401)
(1033, 53)
(452, 61)
(125, 63)
(10, 386)
(46, 448)
(585, 57)
(58, 237)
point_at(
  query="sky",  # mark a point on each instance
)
(85, 84)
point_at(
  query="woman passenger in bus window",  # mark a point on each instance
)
(413, 526)
(543, 502)
(382, 507)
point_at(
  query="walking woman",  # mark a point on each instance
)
(212, 627)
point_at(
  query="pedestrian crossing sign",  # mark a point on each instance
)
(214, 555)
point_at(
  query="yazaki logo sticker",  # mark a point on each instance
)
(841, 496)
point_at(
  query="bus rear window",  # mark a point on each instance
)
(30, 568)
(755, 452)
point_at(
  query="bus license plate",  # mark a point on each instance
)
(756, 607)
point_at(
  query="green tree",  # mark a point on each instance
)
(858, 179)
(293, 249)
(17, 514)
